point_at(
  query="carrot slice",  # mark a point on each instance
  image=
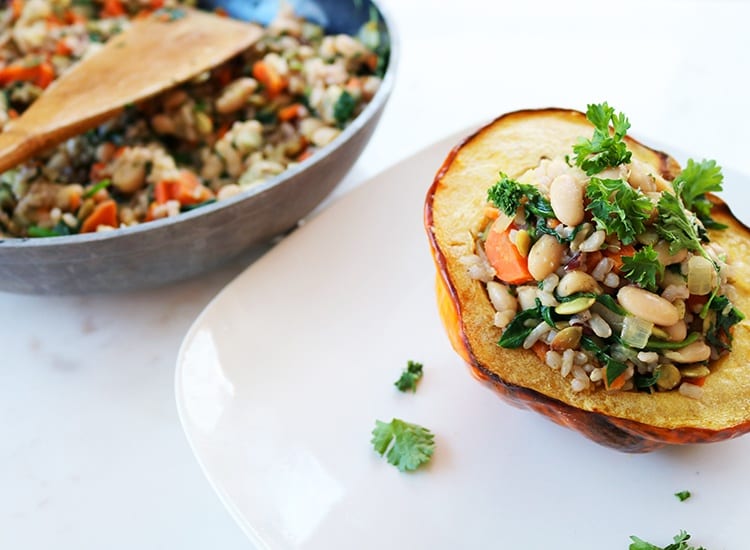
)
(186, 189)
(616, 257)
(617, 383)
(42, 75)
(62, 48)
(269, 77)
(105, 213)
(290, 112)
(540, 349)
(504, 257)
(113, 8)
(17, 8)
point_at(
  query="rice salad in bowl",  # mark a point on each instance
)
(605, 269)
(207, 140)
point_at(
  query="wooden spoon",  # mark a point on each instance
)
(155, 53)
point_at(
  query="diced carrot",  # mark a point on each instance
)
(187, 189)
(304, 155)
(221, 12)
(53, 21)
(63, 48)
(156, 4)
(120, 151)
(269, 77)
(17, 8)
(105, 213)
(372, 62)
(540, 349)
(505, 258)
(290, 112)
(592, 258)
(223, 129)
(150, 212)
(224, 75)
(618, 382)
(698, 381)
(553, 222)
(42, 74)
(74, 202)
(12, 113)
(113, 8)
(45, 74)
(616, 257)
(73, 17)
(491, 213)
(97, 170)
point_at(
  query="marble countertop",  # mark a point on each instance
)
(91, 451)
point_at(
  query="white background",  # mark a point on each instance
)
(91, 451)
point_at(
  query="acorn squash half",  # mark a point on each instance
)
(627, 421)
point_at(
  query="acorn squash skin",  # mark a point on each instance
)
(627, 421)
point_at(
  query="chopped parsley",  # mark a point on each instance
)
(683, 495)
(344, 108)
(695, 180)
(719, 332)
(674, 225)
(407, 446)
(603, 150)
(643, 268)
(91, 191)
(518, 329)
(508, 195)
(680, 543)
(618, 208)
(612, 367)
(409, 377)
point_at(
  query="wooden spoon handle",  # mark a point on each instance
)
(150, 57)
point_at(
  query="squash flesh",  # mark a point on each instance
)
(454, 212)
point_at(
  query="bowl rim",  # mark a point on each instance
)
(370, 110)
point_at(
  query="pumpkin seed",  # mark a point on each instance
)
(669, 376)
(568, 338)
(523, 242)
(695, 371)
(575, 306)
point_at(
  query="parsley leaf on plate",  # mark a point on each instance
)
(409, 377)
(508, 194)
(406, 446)
(680, 543)
(695, 180)
(683, 495)
(618, 208)
(643, 268)
(603, 150)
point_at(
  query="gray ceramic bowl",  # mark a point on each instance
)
(176, 248)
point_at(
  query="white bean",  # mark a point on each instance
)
(577, 281)
(566, 198)
(501, 297)
(593, 242)
(692, 353)
(648, 306)
(545, 257)
(235, 95)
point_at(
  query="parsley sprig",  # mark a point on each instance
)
(508, 195)
(409, 377)
(695, 180)
(407, 446)
(618, 208)
(677, 226)
(643, 268)
(603, 150)
(680, 543)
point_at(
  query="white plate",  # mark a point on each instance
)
(280, 380)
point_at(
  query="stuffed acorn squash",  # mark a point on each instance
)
(589, 278)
